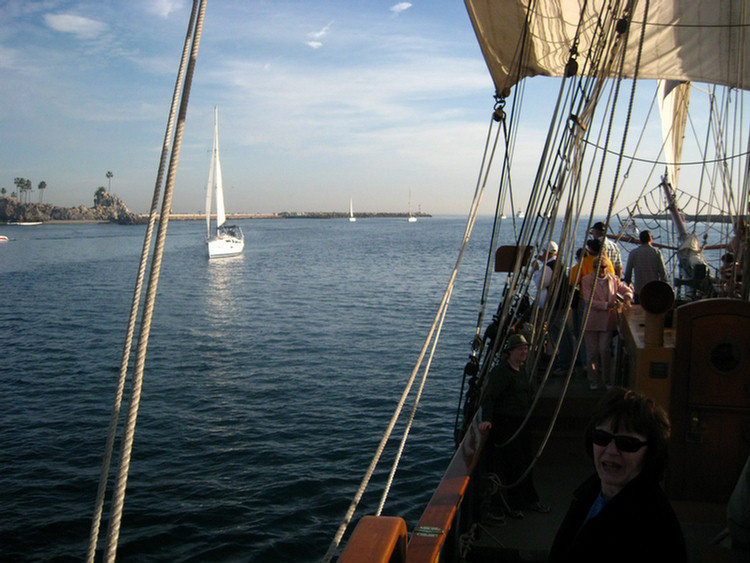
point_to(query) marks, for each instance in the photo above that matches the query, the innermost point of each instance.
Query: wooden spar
(636, 240)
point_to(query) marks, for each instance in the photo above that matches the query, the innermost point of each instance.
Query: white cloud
(77, 25)
(315, 36)
(320, 34)
(400, 7)
(163, 7)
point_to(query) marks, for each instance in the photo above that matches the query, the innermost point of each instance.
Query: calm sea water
(269, 381)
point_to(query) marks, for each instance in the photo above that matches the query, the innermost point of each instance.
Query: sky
(319, 101)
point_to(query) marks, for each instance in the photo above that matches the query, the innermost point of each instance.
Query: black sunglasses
(623, 443)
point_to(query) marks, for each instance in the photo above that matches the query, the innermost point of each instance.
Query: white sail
(221, 216)
(210, 189)
(691, 40)
(226, 240)
(674, 98)
(352, 218)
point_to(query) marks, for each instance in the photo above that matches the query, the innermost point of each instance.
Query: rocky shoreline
(107, 208)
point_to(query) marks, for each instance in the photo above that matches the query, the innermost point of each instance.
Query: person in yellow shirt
(587, 262)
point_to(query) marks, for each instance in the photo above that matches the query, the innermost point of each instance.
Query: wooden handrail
(429, 536)
(376, 539)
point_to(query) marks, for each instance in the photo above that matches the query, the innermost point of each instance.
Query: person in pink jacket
(602, 321)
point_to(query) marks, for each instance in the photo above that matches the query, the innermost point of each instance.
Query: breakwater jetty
(294, 215)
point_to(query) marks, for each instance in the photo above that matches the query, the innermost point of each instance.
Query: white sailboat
(222, 240)
(412, 218)
(352, 218)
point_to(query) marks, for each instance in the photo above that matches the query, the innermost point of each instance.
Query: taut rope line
(137, 292)
(436, 325)
(192, 40)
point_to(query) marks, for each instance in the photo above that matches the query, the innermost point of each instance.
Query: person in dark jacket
(506, 400)
(621, 513)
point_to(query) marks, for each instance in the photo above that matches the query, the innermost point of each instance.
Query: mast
(220, 212)
(674, 98)
(210, 182)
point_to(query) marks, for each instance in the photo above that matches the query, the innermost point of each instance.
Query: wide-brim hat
(515, 341)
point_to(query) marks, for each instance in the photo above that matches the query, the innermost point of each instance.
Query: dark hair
(594, 245)
(629, 411)
(645, 236)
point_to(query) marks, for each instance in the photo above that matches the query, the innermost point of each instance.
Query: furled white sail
(693, 40)
(674, 99)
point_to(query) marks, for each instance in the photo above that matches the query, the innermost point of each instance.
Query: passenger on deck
(544, 267)
(729, 277)
(621, 514)
(646, 262)
(505, 402)
(586, 266)
(607, 290)
(544, 270)
(611, 251)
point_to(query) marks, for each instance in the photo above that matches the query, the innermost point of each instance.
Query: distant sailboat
(412, 218)
(352, 218)
(224, 240)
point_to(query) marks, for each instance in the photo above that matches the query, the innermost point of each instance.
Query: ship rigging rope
(546, 313)
(189, 56)
(430, 343)
(485, 167)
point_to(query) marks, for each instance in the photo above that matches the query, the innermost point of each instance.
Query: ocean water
(269, 381)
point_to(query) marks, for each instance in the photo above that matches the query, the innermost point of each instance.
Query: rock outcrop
(107, 208)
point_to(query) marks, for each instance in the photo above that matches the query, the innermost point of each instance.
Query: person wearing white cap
(544, 266)
(542, 277)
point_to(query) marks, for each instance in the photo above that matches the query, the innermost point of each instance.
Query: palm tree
(24, 186)
(109, 180)
(41, 187)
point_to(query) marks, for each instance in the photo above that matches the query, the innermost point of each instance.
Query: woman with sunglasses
(621, 513)
(600, 327)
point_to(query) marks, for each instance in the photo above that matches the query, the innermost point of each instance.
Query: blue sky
(319, 101)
